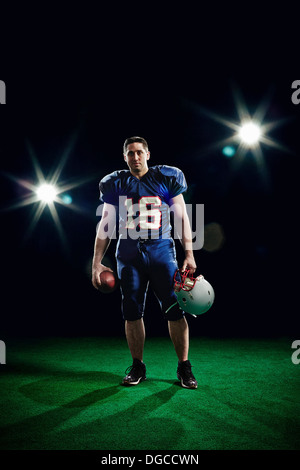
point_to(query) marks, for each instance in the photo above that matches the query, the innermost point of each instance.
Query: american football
(109, 282)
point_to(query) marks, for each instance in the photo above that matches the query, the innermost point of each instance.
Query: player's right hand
(96, 271)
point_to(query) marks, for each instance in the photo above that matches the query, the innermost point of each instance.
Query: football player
(141, 198)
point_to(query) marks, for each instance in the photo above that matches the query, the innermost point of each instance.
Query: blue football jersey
(143, 204)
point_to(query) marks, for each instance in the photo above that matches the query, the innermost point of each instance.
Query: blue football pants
(141, 263)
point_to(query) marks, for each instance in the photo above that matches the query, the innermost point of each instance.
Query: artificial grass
(65, 394)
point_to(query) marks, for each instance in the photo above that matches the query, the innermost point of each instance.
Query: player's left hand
(189, 263)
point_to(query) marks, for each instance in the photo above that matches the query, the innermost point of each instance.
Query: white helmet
(194, 295)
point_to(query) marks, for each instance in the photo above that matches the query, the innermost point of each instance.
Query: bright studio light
(46, 193)
(250, 133)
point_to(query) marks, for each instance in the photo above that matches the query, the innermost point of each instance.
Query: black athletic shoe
(185, 375)
(135, 373)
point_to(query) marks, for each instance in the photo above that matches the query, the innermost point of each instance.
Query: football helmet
(194, 295)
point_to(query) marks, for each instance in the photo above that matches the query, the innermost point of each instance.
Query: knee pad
(174, 312)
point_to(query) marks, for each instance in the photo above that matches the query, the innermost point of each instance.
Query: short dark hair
(136, 138)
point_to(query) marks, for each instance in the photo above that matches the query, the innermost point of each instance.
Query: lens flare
(46, 192)
(250, 133)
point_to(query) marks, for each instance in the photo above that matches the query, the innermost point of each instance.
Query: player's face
(136, 158)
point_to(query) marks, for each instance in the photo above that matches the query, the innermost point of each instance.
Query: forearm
(184, 232)
(105, 232)
(187, 244)
(100, 248)
(186, 235)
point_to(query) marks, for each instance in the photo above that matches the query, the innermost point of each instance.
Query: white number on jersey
(149, 218)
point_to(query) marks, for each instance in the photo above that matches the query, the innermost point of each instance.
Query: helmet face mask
(194, 295)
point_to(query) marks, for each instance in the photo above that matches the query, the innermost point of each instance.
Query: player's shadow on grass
(78, 417)
(146, 423)
(84, 387)
(57, 392)
(87, 388)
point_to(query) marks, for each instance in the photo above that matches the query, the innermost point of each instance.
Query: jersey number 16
(149, 214)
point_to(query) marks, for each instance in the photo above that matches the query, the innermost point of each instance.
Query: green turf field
(65, 393)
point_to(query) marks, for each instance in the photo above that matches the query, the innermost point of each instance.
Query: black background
(94, 77)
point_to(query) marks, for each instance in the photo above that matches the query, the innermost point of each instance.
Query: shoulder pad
(108, 187)
(169, 170)
(111, 177)
(174, 179)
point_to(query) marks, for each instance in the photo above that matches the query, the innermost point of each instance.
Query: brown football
(109, 282)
